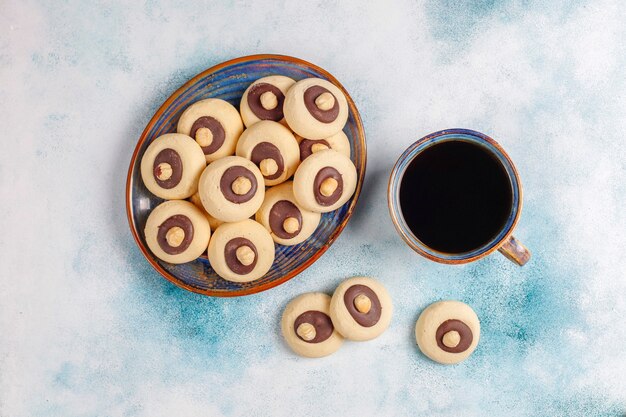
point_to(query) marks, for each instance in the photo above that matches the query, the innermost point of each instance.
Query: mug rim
(393, 193)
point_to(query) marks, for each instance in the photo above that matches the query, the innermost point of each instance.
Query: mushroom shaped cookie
(315, 108)
(177, 231)
(241, 251)
(287, 222)
(324, 181)
(213, 222)
(447, 331)
(361, 308)
(171, 166)
(273, 148)
(264, 98)
(215, 124)
(231, 189)
(338, 142)
(307, 327)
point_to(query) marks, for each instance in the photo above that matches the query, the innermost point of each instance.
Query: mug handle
(515, 251)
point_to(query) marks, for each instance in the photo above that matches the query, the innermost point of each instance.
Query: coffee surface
(455, 196)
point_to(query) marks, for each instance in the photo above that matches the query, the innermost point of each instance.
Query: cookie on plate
(177, 232)
(214, 124)
(324, 181)
(213, 222)
(315, 108)
(241, 251)
(447, 331)
(361, 308)
(287, 222)
(307, 327)
(171, 166)
(264, 99)
(231, 189)
(273, 148)
(338, 142)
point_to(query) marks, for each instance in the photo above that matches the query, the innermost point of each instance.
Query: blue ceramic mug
(503, 240)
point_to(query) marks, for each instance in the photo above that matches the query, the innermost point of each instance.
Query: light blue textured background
(87, 328)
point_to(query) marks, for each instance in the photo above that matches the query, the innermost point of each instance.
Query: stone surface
(88, 328)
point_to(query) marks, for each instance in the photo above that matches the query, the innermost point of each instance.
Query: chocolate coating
(307, 144)
(324, 116)
(265, 150)
(171, 157)
(454, 325)
(370, 318)
(230, 255)
(177, 220)
(216, 129)
(322, 323)
(229, 176)
(281, 211)
(324, 173)
(254, 102)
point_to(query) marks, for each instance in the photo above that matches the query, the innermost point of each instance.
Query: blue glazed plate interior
(229, 83)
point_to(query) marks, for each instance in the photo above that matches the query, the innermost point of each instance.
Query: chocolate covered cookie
(264, 99)
(231, 189)
(447, 331)
(241, 251)
(287, 221)
(315, 108)
(324, 181)
(214, 124)
(307, 327)
(171, 166)
(273, 148)
(361, 308)
(177, 231)
(338, 142)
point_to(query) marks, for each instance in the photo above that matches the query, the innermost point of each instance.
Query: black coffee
(455, 196)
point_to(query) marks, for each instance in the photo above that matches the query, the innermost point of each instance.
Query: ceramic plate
(228, 81)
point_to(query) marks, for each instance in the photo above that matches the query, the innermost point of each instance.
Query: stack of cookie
(315, 324)
(283, 161)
